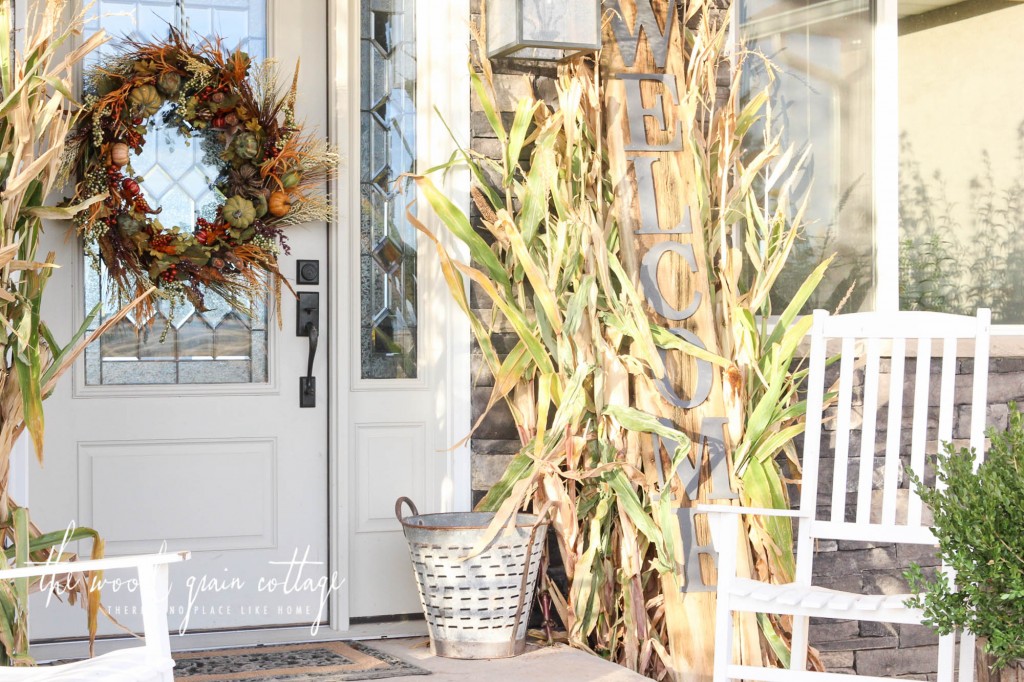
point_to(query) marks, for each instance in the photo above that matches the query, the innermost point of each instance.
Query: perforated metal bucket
(476, 607)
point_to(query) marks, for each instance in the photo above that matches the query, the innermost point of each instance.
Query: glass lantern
(543, 29)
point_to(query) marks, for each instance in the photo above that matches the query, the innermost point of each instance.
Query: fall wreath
(270, 172)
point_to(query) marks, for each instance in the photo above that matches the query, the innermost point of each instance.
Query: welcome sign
(644, 66)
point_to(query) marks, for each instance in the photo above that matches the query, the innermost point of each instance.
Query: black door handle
(307, 384)
(314, 338)
(308, 320)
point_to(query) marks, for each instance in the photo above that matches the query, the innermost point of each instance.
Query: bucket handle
(398, 509)
(521, 605)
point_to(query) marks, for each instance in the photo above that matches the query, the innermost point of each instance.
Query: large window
(961, 122)
(933, 88)
(821, 102)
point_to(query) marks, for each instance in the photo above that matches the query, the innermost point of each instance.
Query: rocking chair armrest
(724, 533)
(110, 563)
(749, 511)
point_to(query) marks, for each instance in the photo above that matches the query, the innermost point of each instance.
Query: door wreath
(271, 173)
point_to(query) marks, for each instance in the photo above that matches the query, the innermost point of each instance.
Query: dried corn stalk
(580, 381)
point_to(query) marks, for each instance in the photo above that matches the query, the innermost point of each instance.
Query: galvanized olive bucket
(475, 607)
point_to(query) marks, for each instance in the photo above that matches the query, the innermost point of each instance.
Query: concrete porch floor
(558, 664)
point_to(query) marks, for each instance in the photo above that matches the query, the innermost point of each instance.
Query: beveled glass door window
(387, 244)
(185, 346)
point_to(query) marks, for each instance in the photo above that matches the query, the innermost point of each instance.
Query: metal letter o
(649, 279)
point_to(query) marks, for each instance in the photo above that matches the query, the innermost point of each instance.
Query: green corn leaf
(457, 222)
(28, 366)
(525, 110)
(544, 296)
(798, 301)
(521, 466)
(772, 444)
(663, 338)
(57, 351)
(629, 501)
(535, 200)
(778, 645)
(53, 539)
(6, 66)
(457, 288)
(514, 316)
(750, 113)
(643, 422)
(763, 487)
(474, 167)
(573, 399)
(489, 109)
(21, 553)
(8, 619)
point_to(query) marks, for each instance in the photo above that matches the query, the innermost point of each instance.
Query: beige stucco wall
(961, 92)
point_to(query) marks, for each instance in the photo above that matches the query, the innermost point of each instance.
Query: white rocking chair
(879, 333)
(151, 662)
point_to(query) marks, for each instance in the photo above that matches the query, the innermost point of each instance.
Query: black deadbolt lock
(307, 272)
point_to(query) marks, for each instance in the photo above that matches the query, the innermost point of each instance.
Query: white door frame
(448, 92)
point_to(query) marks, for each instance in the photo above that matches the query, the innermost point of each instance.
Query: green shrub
(979, 522)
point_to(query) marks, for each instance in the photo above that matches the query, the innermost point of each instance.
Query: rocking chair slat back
(842, 449)
(917, 418)
(893, 429)
(889, 377)
(867, 432)
(920, 424)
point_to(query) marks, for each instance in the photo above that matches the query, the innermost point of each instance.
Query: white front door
(153, 443)
(198, 441)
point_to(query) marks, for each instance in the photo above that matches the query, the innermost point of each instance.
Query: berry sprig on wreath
(271, 173)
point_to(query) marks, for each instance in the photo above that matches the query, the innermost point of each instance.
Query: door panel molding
(106, 501)
(380, 475)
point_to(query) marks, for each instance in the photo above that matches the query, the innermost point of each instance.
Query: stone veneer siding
(845, 646)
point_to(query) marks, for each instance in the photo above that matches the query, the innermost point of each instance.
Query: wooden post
(647, 117)
(983, 668)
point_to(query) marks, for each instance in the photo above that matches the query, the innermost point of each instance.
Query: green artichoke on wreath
(157, 268)
(145, 100)
(168, 83)
(245, 146)
(239, 212)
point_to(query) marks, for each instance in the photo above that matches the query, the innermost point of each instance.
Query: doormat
(313, 662)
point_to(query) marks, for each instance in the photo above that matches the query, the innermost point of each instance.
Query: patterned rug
(314, 662)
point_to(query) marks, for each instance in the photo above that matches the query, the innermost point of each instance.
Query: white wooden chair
(149, 663)
(876, 334)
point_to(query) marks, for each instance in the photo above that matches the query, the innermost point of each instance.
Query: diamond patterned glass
(387, 272)
(186, 346)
